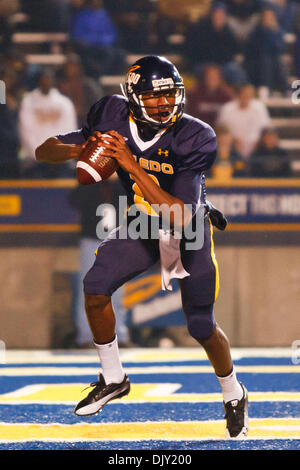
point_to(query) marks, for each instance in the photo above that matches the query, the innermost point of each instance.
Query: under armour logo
(163, 152)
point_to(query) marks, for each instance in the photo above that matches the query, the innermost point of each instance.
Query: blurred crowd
(233, 55)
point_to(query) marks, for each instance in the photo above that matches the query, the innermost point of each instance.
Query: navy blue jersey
(175, 157)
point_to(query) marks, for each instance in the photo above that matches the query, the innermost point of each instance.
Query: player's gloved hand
(217, 218)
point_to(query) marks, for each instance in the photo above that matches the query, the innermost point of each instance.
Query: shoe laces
(233, 412)
(93, 384)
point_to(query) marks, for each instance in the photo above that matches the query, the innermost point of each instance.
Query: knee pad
(200, 321)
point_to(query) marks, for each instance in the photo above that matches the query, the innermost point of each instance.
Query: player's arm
(171, 208)
(64, 147)
(55, 151)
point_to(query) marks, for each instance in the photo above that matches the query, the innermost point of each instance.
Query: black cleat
(100, 395)
(237, 417)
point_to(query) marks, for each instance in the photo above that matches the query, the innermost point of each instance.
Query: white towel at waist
(171, 265)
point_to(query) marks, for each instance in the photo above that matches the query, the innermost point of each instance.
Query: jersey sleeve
(74, 137)
(93, 117)
(186, 186)
(200, 150)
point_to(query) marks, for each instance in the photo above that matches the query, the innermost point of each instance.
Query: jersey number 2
(139, 200)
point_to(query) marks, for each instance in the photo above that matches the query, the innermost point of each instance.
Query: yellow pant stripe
(214, 260)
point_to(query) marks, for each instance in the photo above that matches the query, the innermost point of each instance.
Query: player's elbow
(39, 153)
(43, 151)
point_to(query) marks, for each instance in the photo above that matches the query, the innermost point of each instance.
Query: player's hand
(74, 151)
(77, 149)
(92, 138)
(118, 149)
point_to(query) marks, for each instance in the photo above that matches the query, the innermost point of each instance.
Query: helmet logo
(163, 82)
(134, 67)
(132, 78)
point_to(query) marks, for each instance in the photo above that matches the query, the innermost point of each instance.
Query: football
(92, 166)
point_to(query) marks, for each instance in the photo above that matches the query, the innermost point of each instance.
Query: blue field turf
(191, 383)
(272, 444)
(145, 412)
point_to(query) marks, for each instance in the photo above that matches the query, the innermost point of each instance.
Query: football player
(162, 154)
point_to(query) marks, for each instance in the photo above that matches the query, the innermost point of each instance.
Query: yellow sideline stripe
(59, 183)
(258, 227)
(191, 430)
(232, 183)
(253, 183)
(232, 227)
(70, 394)
(40, 227)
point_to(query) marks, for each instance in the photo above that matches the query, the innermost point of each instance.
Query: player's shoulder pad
(108, 108)
(193, 133)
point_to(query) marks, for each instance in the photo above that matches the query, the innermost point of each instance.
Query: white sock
(110, 361)
(231, 388)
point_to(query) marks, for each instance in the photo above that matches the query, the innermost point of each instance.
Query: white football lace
(97, 151)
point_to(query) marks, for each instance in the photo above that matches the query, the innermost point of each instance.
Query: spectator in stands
(47, 15)
(245, 118)
(159, 29)
(86, 199)
(82, 90)
(189, 10)
(296, 48)
(9, 139)
(95, 39)
(286, 13)
(138, 25)
(13, 71)
(205, 99)
(44, 112)
(243, 17)
(178, 17)
(263, 51)
(133, 29)
(229, 162)
(6, 27)
(269, 160)
(143, 33)
(211, 41)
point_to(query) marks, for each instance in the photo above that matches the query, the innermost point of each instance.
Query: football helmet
(154, 76)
